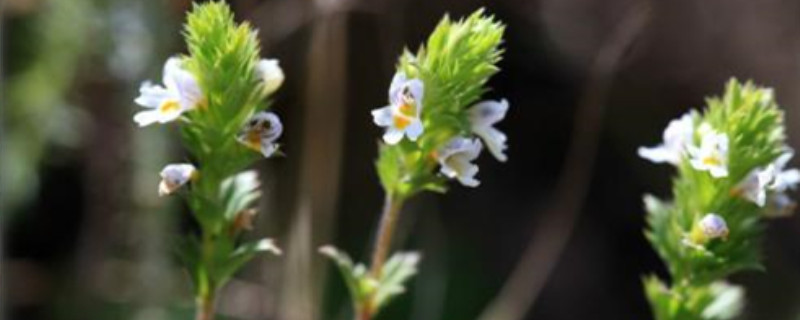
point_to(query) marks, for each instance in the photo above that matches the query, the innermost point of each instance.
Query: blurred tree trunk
(321, 155)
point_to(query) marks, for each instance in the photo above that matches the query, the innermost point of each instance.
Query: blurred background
(554, 233)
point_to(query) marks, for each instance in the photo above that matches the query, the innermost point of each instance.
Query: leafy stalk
(220, 91)
(431, 137)
(713, 227)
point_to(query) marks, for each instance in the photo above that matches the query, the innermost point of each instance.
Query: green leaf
(364, 289)
(717, 301)
(397, 270)
(355, 276)
(239, 192)
(727, 303)
(236, 259)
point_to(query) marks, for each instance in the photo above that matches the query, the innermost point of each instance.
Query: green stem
(206, 296)
(205, 306)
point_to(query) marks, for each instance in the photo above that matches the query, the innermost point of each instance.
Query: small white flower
(179, 94)
(784, 179)
(677, 137)
(174, 176)
(713, 226)
(260, 133)
(482, 117)
(402, 115)
(271, 73)
(712, 156)
(754, 186)
(456, 159)
(772, 178)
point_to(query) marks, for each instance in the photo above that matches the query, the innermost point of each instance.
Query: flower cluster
(763, 186)
(219, 94)
(731, 160)
(403, 118)
(435, 128)
(435, 123)
(181, 93)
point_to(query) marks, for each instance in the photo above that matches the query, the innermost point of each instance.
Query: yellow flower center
(401, 121)
(169, 106)
(253, 140)
(712, 161)
(408, 108)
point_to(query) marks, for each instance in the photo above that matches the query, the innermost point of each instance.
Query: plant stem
(208, 288)
(205, 306)
(383, 242)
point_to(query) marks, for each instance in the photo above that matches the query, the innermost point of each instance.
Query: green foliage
(752, 121)
(366, 291)
(454, 65)
(717, 301)
(223, 58)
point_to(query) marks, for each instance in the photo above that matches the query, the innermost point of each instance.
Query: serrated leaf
(727, 303)
(237, 258)
(397, 270)
(239, 192)
(355, 276)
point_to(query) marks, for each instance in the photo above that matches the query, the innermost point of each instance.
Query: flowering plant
(731, 162)
(219, 96)
(435, 128)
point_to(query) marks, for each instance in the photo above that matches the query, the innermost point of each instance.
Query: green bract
(454, 66)
(219, 93)
(753, 124)
(432, 122)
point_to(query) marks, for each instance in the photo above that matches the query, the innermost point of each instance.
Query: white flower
(179, 94)
(456, 159)
(772, 178)
(677, 137)
(260, 133)
(482, 117)
(271, 73)
(402, 115)
(713, 226)
(754, 186)
(174, 176)
(712, 156)
(783, 179)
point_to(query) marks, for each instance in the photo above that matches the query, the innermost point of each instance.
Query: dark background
(86, 237)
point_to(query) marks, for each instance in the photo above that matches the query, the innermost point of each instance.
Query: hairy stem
(383, 242)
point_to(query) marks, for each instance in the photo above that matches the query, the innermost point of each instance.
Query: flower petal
(148, 117)
(396, 88)
(392, 136)
(487, 113)
(416, 88)
(151, 96)
(268, 148)
(382, 117)
(414, 130)
(495, 141)
(173, 176)
(456, 157)
(658, 154)
(270, 72)
(171, 68)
